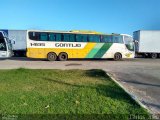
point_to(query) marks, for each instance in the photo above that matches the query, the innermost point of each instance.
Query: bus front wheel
(117, 56)
(52, 56)
(63, 56)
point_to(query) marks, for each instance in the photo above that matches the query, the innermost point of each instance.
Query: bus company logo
(37, 44)
(128, 55)
(67, 45)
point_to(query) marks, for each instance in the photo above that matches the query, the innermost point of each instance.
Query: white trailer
(18, 40)
(147, 43)
(5, 46)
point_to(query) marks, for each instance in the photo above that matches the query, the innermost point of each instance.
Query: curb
(131, 95)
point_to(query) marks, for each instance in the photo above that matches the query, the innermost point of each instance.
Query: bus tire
(117, 56)
(52, 56)
(63, 56)
(154, 55)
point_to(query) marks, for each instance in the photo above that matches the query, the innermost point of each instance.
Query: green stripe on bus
(103, 50)
(94, 50)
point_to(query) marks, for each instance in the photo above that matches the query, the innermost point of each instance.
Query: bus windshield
(2, 43)
(5, 42)
(129, 43)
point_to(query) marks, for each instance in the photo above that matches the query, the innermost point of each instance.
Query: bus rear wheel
(63, 56)
(117, 56)
(52, 56)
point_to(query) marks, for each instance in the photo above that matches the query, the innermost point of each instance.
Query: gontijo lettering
(67, 45)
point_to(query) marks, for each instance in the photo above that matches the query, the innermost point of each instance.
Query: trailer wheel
(117, 56)
(63, 56)
(154, 55)
(52, 56)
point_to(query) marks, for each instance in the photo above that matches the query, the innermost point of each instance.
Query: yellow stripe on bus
(72, 52)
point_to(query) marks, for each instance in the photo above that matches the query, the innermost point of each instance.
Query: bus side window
(78, 38)
(72, 37)
(117, 39)
(94, 38)
(120, 39)
(58, 37)
(66, 37)
(43, 37)
(34, 35)
(85, 38)
(107, 39)
(81, 38)
(52, 37)
(30, 34)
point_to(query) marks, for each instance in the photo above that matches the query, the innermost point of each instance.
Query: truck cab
(5, 46)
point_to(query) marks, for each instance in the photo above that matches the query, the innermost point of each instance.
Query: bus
(64, 45)
(5, 46)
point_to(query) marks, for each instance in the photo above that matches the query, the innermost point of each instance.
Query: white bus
(5, 46)
(57, 45)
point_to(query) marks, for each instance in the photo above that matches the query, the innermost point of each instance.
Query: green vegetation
(64, 93)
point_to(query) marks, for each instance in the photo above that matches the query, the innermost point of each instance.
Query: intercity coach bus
(59, 45)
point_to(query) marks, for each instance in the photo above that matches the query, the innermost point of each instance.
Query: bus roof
(126, 35)
(75, 32)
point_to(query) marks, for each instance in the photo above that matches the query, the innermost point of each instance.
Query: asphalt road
(141, 77)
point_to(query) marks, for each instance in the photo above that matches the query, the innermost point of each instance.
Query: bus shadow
(25, 59)
(101, 59)
(89, 59)
(75, 59)
(107, 89)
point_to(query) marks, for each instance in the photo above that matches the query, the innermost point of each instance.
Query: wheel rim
(63, 57)
(51, 56)
(117, 57)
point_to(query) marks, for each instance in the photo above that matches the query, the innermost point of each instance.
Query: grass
(63, 93)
